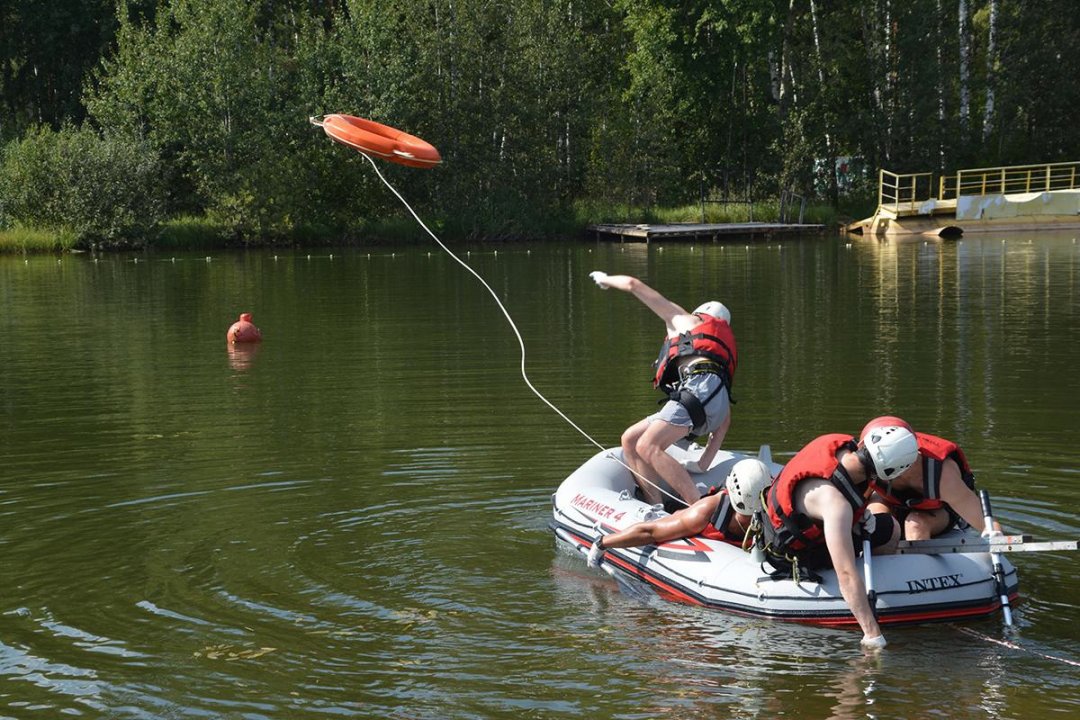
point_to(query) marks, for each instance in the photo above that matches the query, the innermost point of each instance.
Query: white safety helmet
(892, 450)
(884, 421)
(744, 485)
(715, 308)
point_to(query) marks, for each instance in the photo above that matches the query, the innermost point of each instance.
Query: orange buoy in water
(380, 140)
(243, 331)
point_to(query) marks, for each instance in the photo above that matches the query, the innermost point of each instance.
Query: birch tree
(991, 71)
(965, 56)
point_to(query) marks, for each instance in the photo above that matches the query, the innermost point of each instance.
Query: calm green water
(352, 520)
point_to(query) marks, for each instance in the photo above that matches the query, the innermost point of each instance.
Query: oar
(868, 575)
(999, 571)
(1003, 544)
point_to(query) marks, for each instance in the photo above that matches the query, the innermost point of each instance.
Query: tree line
(116, 115)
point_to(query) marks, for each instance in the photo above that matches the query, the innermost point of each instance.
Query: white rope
(1014, 646)
(517, 334)
(513, 325)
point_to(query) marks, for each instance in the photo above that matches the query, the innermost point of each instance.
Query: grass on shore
(201, 233)
(761, 211)
(20, 240)
(188, 232)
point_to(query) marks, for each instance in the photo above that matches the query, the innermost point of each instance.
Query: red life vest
(789, 531)
(934, 451)
(718, 523)
(711, 338)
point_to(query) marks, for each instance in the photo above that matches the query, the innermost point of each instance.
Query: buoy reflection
(242, 356)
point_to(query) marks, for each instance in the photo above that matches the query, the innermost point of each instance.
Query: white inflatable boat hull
(709, 573)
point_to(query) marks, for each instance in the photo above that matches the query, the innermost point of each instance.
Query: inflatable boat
(599, 497)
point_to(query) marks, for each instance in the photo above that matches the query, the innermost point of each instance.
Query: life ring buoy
(379, 140)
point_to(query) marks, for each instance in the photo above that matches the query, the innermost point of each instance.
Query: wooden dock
(700, 231)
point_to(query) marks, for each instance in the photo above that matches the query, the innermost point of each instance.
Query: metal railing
(747, 201)
(906, 192)
(901, 192)
(1012, 180)
(788, 200)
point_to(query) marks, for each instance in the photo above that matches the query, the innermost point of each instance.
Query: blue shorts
(700, 386)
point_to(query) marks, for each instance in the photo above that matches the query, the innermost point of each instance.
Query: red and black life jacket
(718, 523)
(934, 451)
(711, 338)
(786, 531)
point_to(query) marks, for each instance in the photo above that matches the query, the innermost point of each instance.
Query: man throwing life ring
(695, 368)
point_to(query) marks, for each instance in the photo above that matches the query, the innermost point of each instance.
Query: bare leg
(641, 470)
(923, 525)
(652, 446)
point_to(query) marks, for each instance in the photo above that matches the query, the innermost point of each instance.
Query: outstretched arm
(666, 309)
(684, 523)
(837, 518)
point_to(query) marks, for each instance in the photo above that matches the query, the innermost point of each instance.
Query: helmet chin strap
(868, 467)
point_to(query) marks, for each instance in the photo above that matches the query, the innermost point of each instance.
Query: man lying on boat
(817, 505)
(933, 495)
(695, 368)
(723, 514)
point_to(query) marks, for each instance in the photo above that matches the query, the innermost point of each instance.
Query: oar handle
(988, 514)
(999, 570)
(868, 576)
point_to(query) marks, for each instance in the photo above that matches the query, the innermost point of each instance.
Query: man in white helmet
(935, 494)
(723, 514)
(814, 510)
(695, 368)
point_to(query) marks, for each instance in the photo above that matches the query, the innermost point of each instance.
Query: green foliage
(47, 49)
(190, 233)
(25, 240)
(219, 93)
(101, 189)
(538, 107)
(592, 212)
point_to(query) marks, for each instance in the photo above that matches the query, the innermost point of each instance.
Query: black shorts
(955, 520)
(883, 527)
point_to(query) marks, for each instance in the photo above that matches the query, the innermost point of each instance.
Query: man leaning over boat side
(935, 494)
(695, 367)
(818, 505)
(724, 514)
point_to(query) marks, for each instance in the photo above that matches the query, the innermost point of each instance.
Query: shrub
(101, 189)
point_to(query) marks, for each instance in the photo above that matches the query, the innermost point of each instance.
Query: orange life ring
(380, 140)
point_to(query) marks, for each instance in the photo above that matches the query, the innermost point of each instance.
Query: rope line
(517, 333)
(1014, 646)
(560, 413)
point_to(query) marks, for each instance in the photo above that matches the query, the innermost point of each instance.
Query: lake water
(351, 519)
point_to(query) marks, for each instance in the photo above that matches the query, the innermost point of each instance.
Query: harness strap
(722, 516)
(842, 481)
(786, 565)
(702, 367)
(932, 478)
